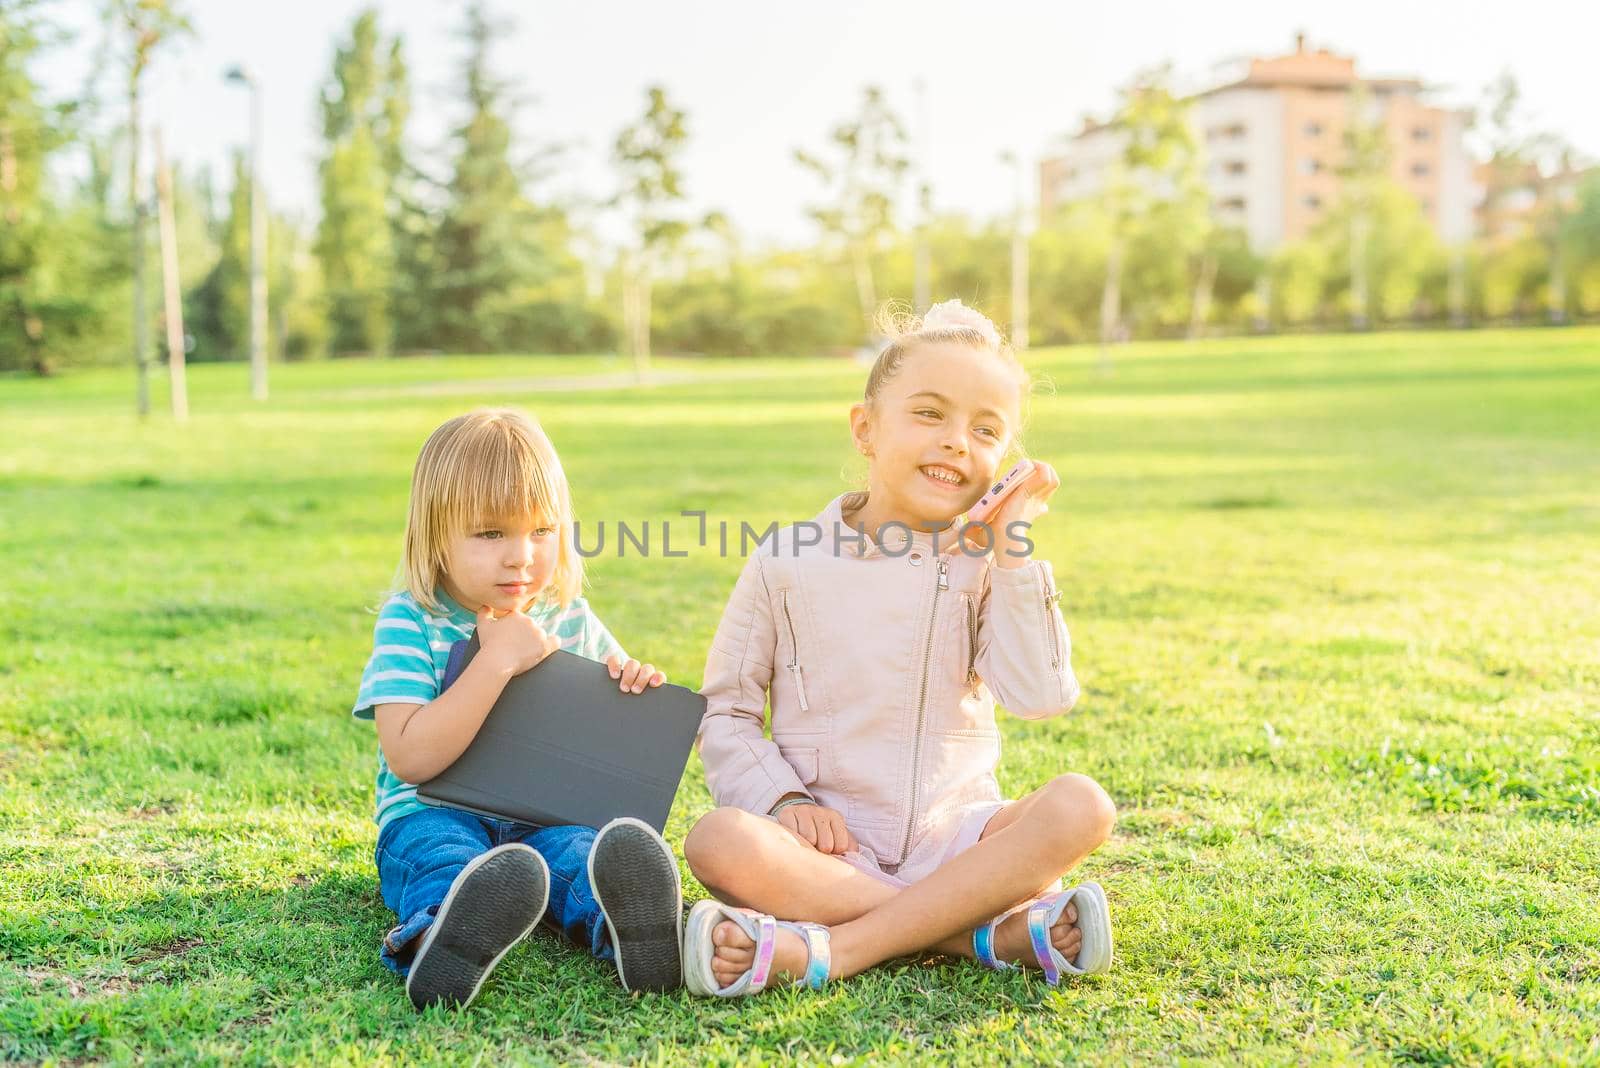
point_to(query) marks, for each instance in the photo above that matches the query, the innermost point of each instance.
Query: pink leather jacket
(883, 664)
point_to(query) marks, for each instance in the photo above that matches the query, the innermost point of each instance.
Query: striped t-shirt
(410, 647)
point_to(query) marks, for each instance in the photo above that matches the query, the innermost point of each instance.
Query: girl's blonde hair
(490, 464)
(950, 322)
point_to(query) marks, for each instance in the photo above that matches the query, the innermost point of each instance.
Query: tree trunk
(642, 345)
(1200, 306)
(1019, 287)
(630, 335)
(1458, 286)
(921, 289)
(1111, 303)
(1359, 317)
(1558, 284)
(866, 292)
(1263, 321)
(170, 287)
(141, 349)
(636, 313)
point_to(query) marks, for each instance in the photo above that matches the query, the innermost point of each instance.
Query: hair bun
(954, 315)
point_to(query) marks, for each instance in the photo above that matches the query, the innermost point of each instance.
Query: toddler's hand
(820, 827)
(634, 675)
(513, 641)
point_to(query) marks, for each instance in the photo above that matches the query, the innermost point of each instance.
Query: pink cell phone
(999, 491)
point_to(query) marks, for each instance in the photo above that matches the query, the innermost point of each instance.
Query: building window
(1235, 167)
(1231, 132)
(1421, 133)
(1312, 202)
(1419, 169)
(1313, 129)
(1310, 165)
(1231, 204)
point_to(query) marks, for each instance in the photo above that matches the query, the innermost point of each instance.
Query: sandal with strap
(1094, 922)
(698, 950)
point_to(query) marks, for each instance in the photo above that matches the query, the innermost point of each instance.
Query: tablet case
(564, 745)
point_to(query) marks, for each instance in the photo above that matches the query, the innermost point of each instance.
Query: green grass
(1335, 603)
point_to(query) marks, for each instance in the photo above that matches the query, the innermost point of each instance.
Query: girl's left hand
(634, 675)
(1026, 504)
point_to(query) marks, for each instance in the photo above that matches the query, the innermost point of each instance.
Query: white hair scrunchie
(954, 315)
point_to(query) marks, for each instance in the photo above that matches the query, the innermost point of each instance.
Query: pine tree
(493, 246)
(362, 125)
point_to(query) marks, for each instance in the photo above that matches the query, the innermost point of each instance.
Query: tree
(1583, 231)
(148, 24)
(1068, 264)
(29, 131)
(354, 243)
(862, 187)
(1510, 163)
(222, 299)
(1362, 172)
(494, 248)
(651, 192)
(1155, 191)
(1556, 205)
(225, 320)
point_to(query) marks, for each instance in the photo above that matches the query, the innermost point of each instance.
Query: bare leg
(749, 861)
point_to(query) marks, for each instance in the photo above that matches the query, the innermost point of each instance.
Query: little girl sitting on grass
(871, 815)
(489, 548)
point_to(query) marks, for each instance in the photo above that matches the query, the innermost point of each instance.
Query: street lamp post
(239, 75)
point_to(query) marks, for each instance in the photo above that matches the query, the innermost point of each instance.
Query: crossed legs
(752, 862)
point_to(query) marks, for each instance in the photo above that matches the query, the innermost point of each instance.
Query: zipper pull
(944, 573)
(799, 686)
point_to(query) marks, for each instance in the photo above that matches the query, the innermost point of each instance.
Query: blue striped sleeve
(402, 667)
(594, 640)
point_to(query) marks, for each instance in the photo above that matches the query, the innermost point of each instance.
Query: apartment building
(1273, 141)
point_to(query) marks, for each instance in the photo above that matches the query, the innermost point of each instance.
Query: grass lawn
(1335, 603)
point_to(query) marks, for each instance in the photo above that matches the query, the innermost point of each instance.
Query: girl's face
(502, 563)
(937, 432)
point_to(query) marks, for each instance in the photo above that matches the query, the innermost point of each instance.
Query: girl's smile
(944, 475)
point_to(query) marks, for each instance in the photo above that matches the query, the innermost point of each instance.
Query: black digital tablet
(564, 745)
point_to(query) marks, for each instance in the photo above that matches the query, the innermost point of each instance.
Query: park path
(562, 383)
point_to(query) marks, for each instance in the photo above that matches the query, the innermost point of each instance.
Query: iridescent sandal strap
(983, 947)
(766, 945)
(819, 955)
(1039, 936)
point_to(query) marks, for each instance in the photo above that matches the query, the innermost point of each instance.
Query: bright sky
(759, 79)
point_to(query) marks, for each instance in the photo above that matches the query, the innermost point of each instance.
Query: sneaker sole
(635, 880)
(492, 905)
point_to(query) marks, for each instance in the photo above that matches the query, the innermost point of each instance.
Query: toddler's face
(502, 563)
(938, 431)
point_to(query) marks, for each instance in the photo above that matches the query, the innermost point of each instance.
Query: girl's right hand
(822, 828)
(514, 642)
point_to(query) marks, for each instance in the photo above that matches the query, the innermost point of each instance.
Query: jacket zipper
(794, 662)
(972, 643)
(922, 708)
(1052, 639)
